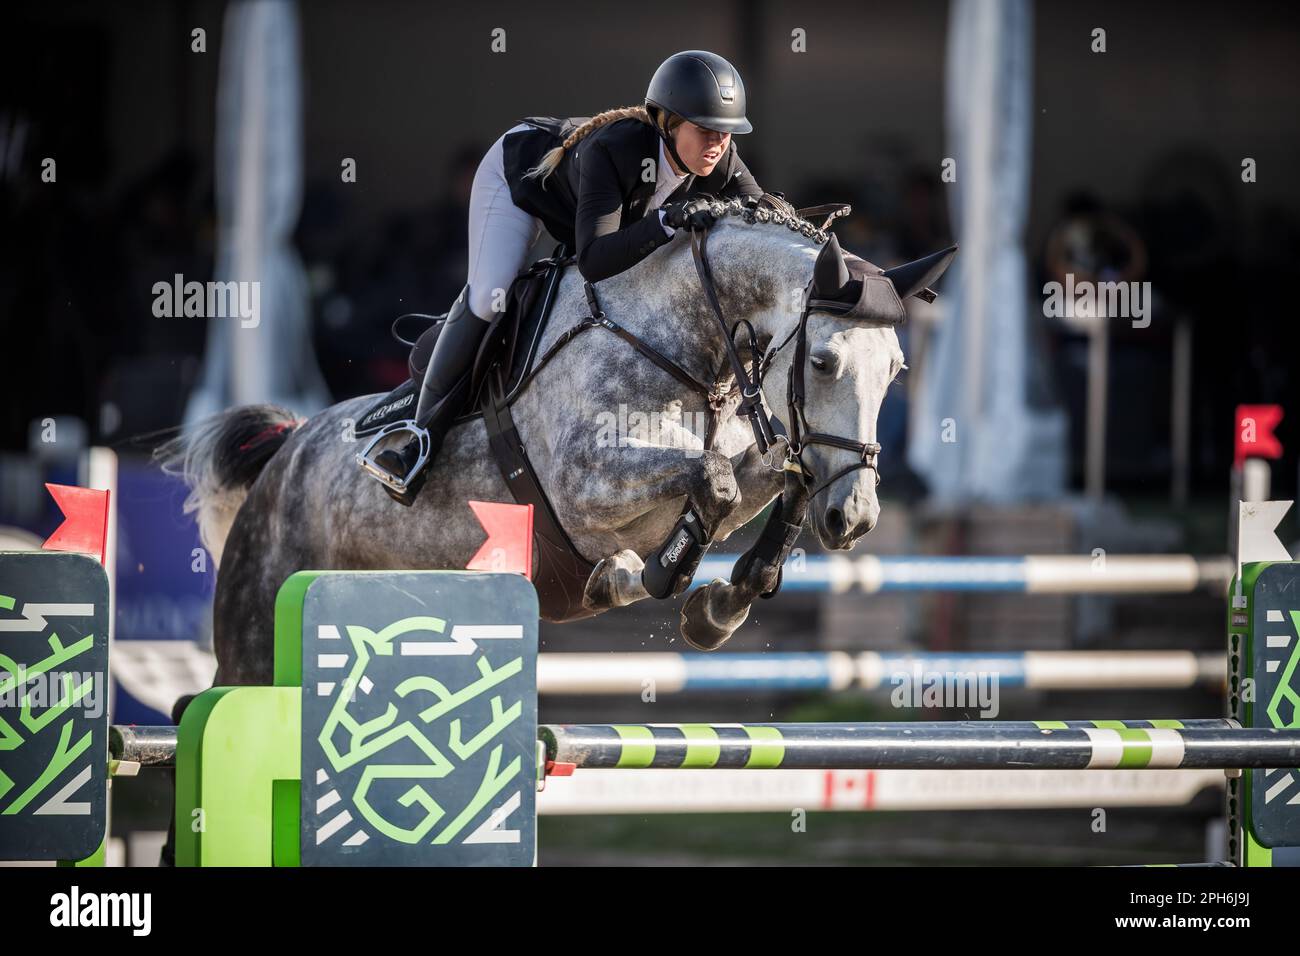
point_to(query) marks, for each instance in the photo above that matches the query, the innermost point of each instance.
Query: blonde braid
(553, 157)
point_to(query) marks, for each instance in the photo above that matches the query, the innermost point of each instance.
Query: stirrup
(400, 484)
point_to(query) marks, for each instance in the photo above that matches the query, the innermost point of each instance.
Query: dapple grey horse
(274, 496)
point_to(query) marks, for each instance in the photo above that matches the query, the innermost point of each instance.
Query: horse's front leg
(712, 614)
(617, 490)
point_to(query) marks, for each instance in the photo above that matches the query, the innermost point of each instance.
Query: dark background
(1155, 130)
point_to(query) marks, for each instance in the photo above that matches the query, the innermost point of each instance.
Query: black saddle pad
(511, 344)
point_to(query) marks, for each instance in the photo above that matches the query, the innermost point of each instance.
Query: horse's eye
(818, 363)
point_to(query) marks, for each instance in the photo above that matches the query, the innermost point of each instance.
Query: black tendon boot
(445, 379)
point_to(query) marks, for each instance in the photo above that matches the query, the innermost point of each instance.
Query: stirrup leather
(400, 484)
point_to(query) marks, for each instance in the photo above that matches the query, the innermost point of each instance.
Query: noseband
(768, 430)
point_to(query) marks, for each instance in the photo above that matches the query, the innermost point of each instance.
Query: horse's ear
(914, 278)
(831, 273)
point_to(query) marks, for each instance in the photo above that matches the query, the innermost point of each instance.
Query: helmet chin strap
(672, 151)
(660, 128)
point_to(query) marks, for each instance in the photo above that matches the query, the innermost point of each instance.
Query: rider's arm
(606, 246)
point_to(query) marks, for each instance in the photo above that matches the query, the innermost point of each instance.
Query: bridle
(768, 429)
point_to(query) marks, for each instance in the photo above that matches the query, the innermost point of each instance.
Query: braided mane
(770, 208)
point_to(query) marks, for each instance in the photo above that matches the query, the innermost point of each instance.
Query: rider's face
(700, 148)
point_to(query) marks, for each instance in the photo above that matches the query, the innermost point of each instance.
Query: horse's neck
(647, 303)
(643, 301)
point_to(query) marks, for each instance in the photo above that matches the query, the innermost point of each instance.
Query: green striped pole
(956, 745)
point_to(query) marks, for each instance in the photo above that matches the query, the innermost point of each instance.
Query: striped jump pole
(632, 673)
(1219, 744)
(619, 672)
(138, 746)
(1027, 574)
(668, 791)
(948, 745)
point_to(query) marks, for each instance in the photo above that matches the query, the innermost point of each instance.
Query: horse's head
(836, 362)
(841, 366)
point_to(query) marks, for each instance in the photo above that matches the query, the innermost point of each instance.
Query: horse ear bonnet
(855, 289)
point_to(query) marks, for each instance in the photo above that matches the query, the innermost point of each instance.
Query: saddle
(506, 362)
(508, 350)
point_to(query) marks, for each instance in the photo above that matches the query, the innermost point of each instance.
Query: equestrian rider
(587, 182)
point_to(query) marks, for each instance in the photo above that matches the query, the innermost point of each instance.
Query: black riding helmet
(701, 87)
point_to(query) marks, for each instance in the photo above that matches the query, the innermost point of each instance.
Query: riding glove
(694, 213)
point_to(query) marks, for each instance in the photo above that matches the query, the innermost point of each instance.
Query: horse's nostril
(835, 522)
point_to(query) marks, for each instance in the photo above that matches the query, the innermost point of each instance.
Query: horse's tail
(219, 458)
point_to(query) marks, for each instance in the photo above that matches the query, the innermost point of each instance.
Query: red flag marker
(85, 525)
(1255, 438)
(509, 544)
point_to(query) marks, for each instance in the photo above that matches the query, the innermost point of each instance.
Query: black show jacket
(595, 200)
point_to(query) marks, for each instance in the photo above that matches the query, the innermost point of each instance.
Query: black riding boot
(445, 379)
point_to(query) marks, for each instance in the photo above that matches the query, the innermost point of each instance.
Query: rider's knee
(487, 299)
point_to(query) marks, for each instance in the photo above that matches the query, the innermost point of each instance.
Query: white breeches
(500, 235)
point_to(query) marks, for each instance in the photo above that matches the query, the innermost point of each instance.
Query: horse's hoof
(697, 629)
(597, 595)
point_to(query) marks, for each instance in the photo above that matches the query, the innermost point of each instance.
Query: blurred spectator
(417, 263)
